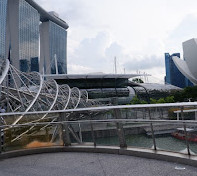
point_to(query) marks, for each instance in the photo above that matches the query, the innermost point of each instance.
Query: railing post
(65, 134)
(153, 136)
(93, 134)
(152, 131)
(182, 116)
(2, 135)
(120, 130)
(65, 131)
(177, 116)
(80, 133)
(1, 140)
(186, 139)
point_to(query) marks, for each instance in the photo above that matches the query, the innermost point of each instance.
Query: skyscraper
(3, 19)
(29, 20)
(173, 75)
(53, 40)
(20, 36)
(23, 33)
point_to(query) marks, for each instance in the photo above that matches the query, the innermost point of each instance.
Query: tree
(169, 99)
(153, 101)
(161, 100)
(138, 80)
(136, 100)
(186, 94)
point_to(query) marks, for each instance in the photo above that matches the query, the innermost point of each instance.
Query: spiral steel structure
(32, 92)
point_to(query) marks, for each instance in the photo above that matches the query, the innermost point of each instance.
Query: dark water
(166, 142)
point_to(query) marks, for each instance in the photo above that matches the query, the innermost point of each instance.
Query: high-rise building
(173, 75)
(3, 19)
(20, 36)
(23, 35)
(53, 41)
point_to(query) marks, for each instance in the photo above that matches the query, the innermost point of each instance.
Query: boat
(180, 134)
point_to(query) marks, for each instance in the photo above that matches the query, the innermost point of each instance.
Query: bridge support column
(65, 130)
(120, 130)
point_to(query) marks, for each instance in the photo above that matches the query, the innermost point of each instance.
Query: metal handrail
(102, 108)
(118, 121)
(101, 121)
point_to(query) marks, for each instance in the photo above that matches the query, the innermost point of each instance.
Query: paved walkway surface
(90, 164)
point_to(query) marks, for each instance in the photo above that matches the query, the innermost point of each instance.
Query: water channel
(165, 142)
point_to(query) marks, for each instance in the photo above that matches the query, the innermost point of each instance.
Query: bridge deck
(86, 164)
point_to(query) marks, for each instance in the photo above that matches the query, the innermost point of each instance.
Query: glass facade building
(3, 19)
(24, 65)
(34, 64)
(57, 48)
(29, 20)
(20, 37)
(173, 75)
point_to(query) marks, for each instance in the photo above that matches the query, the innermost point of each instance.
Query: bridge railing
(123, 133)
(140, 126)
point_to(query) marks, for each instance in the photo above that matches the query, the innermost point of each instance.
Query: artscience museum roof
(188, 66)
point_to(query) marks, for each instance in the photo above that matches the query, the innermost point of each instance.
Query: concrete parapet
(138, 152)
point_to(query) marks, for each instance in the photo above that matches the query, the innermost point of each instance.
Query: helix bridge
(22, 93)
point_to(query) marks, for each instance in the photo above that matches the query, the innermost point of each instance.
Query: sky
(136, 32)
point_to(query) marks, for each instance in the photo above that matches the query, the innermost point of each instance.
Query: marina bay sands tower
(32, 39)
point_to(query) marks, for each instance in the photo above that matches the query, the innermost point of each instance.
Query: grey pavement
(90, 164)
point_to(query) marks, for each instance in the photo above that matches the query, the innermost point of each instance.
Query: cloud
(97, 54)
(74, 69)
(91, 51)
(185, 30)
(114, 50)
(74, 12)
(127, 32)
(147, 62)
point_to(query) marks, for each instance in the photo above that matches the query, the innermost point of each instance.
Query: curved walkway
(90, 164)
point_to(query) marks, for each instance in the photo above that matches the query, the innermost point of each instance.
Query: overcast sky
(137, 32)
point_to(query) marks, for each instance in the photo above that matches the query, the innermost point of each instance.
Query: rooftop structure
(160, 87)
(108, 87)
(47, 16)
